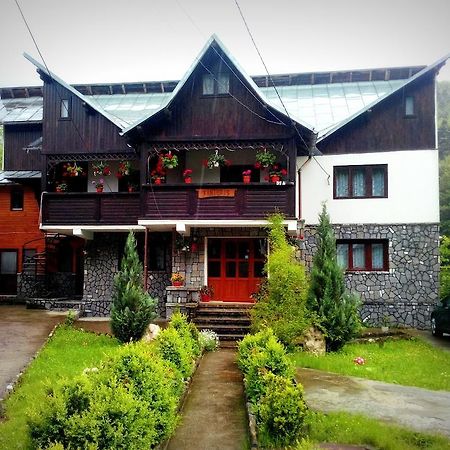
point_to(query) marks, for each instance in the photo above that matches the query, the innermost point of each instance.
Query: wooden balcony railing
(169, 202)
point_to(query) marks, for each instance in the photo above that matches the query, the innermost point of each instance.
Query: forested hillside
(443, 101)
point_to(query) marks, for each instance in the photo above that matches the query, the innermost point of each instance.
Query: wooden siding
(90, 208)
(193, 116)
(86, 131)
(16, 138)
(386, 128)
(253, 201)
(20, 227)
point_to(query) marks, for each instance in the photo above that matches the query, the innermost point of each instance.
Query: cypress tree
(336, 309)
(132, 307)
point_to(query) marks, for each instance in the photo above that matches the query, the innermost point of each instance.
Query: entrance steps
(231, 321)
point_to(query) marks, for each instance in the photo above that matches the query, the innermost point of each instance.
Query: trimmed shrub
(250, 344)
(188, 332)
(281, 299)
(281, 411)
(132, 308)
(171, 347)
(336, 309)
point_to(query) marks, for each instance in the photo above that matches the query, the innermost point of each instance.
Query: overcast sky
(95, 41)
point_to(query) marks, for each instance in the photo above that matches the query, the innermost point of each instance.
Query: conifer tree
(336, 309)
(132, 307)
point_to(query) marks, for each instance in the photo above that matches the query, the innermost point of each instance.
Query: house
(363, 141)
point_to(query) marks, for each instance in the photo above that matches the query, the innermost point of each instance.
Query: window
(360, 181)
(158, 251)
(28, 260)
(64, 112)
(8, 262)
(355, 255)
(216, 84)
(17, 199)
(409, 106)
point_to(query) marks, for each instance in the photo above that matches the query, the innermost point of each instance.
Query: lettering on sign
(207, 193)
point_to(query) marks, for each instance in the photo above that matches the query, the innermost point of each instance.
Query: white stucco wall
(413, 189)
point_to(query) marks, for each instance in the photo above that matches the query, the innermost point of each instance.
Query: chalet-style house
(194, 167)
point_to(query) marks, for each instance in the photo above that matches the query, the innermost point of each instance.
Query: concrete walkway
(22, 333)
(415, 408)
(214, 417)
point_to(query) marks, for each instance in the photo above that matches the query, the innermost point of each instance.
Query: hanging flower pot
(99, 189)
(274, 178)
(194, 247)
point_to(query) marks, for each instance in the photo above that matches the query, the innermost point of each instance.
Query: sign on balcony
(208, 193)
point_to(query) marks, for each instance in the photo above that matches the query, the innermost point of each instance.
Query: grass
(345, 428)
(411, 362)
(66, 354)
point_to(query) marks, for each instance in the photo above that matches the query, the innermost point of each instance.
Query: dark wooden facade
(17, 138)
(85, 131)
(386, 127)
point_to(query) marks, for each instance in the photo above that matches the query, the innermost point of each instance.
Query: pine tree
(336, 309)
(132, 307)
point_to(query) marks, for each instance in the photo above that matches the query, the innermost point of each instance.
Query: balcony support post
(146, 259)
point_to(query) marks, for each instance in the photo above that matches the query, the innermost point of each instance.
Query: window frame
(69, 108)
(14, 191)
(413, 105)
(367, 254)
(368, 170)
(216, 77)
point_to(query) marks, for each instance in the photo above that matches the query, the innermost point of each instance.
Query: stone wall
(101, 263)
(406, 293)
(53, 284)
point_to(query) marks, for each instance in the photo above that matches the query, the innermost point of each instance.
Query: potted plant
(61, 187)
(101, 168)
(276, 173)
(124, 169)
(246, 176)
(216, 160)
(131, 187)
(385, 324)
(187, 175)
(264, 159)
(73, 170)
(177, 279)
(206, 293)
(99, 184)
(169, 160)
(157, 177)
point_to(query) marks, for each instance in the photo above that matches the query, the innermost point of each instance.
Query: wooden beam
(146, 259)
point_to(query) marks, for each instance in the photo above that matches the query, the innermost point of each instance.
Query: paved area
(214, 416)
(415, 408)
(22, 333)
(439, 342)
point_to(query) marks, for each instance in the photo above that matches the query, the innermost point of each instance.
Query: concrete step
(222, 319)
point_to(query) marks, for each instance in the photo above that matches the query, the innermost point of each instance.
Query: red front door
(235, 267)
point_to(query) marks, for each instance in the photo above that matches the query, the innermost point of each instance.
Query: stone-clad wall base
(409, 290)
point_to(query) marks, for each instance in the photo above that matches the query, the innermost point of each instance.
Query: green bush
(281, 411)
(171, 347)
(132, 308)
(188, 332)
(445, 266)
(336, 309)
(281, 300)
(250, 344)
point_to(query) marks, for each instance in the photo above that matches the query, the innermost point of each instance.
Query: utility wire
(274, 86)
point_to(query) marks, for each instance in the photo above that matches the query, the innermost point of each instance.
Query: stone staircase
(231, 321)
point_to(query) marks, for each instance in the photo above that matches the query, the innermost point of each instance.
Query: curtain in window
(342, 255)
(223, 83)
(378, 182)
(377, 256)
(208, 84)
(342, 183)
(359, 185)
(358, 256)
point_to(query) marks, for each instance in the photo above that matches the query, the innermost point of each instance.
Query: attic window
(409, 106)
(216, 84)
(64, 112)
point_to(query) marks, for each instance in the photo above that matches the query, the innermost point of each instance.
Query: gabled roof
(10, 176)
(327, 132)
(211, 41)
(115, 120)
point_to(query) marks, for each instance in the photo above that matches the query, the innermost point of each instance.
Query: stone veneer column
(101, 264)
(407, 292)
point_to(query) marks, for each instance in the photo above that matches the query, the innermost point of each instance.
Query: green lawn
(67, 353)
(407, 362)
(347, 428)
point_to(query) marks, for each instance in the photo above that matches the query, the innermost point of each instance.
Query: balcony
(89, 208)
(216, 201)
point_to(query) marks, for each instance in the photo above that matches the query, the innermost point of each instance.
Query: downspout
(312, 149)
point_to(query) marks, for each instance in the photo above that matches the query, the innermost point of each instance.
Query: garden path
(214, 416)
(22, 333)
(416, 408)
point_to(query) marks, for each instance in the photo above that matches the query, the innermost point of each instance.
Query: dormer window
(216, 84)
(64, 112)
